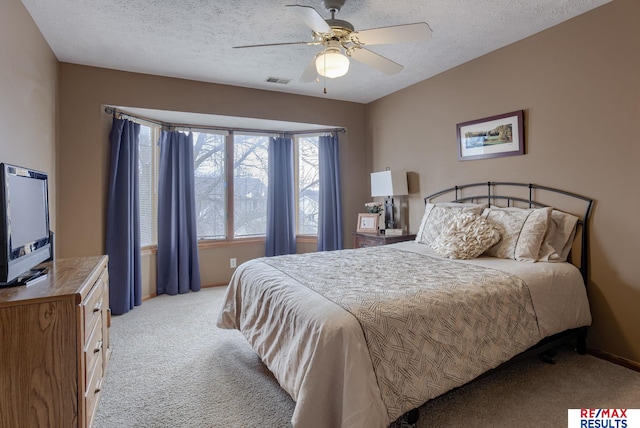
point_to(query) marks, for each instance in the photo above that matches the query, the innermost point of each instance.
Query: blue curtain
(281, 219)
(177, 262)
(123, 219)
(330, 220)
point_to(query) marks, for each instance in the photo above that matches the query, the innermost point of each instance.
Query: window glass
(210, 184)
(147, 189)
(308, 185)
(250, 181)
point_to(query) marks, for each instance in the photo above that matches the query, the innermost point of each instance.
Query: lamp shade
(389, 183)
(331, 62)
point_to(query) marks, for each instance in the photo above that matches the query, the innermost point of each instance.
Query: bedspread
(430, 324)
(357, 337)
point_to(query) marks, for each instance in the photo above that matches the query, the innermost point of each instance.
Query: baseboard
(221, 284)
(630, 364)
(149, 297)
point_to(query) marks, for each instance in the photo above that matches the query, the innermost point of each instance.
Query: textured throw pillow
(437, 216)
(522, 232)
(559, 237)
(465, 237)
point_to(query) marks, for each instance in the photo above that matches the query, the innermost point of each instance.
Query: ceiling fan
(341, 41)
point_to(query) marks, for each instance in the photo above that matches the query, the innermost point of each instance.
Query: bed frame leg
(409, 419)
(413, 416)
(549, 356)
(581, 345)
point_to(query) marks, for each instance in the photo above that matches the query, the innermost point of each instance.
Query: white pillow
(466, 237)
(559, 237)
(437, 216)
(522, 232)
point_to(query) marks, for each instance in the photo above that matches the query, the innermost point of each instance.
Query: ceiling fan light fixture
(332, 63)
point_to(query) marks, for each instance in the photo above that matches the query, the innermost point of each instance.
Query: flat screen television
(25, 238)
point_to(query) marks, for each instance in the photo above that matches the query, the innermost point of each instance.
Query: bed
(362, 337)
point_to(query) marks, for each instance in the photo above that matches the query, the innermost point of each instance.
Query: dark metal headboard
(496, 193)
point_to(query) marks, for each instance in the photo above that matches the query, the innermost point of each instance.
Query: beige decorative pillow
(437, 216)
(522, 232)
(559, 237)
(465, 237)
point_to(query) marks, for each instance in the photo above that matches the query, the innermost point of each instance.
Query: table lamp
(389, 184)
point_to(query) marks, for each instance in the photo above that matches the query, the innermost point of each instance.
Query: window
(231, 182)
(250, 181)
(210, 184)
(147, 182)
(308, 180)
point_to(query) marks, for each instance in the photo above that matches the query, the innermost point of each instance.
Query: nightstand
(361, 240)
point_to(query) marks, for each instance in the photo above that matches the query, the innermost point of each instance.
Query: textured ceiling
(192, 39)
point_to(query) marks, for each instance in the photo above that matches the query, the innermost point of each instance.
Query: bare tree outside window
(250, 181)
(211, 207)
(308, 185)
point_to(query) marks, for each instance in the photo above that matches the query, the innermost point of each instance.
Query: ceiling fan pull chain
(324, 77)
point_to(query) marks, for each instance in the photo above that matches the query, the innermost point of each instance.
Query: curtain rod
(114, 111)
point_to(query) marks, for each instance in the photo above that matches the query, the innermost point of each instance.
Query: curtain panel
(281, 218)
(177, 260)
(123, 219)
(330, 219)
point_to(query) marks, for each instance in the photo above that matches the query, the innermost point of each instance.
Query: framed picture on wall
(368, 223)
(495, 136)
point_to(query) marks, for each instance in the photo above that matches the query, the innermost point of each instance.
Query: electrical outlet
(232, 262)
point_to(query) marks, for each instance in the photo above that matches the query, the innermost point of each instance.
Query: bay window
(231, 182)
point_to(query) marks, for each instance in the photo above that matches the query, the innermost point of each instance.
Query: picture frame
(491, 137)
(368, 223)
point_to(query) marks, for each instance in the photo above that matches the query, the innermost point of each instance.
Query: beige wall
(83, 154)
(579, 84)
(28, 74)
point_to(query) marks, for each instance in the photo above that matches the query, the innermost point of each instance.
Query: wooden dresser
(361, 240)
(54, 345)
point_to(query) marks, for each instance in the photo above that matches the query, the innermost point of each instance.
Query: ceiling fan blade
(310, 73)
(417, 32)
(310, 17)
(277, 44)
(376, 61)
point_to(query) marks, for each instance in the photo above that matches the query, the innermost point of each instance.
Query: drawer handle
(97, 307)
(98, 348)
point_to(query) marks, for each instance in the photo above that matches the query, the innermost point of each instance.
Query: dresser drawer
(93, 351)
(92, 305)
(92, 394)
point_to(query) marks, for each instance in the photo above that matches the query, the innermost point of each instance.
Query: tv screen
(24, 225)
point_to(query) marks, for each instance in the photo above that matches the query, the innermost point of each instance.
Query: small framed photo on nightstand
(368, 223)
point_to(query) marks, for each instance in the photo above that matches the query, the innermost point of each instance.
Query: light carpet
(172, 367)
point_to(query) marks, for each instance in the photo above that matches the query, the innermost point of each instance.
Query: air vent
(280, 80)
